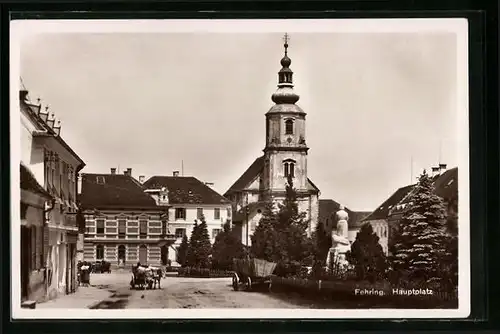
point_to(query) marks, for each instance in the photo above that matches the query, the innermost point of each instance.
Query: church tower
(285, 152)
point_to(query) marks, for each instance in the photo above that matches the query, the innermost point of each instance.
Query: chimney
(128, 172)
(142, 178)
(210, 184)
(176, 173)
(23, 95)
(442, 167)
(113, 171)
(435, 171)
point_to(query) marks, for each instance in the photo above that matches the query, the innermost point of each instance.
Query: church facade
(285, 154)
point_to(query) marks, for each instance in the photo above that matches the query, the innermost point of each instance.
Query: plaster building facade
(55, 166)
(129, 220)
(285, 153)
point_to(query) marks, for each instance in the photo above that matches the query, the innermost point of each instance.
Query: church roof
(251, 173)
(248, 176)
(185, 190)
(328, 207)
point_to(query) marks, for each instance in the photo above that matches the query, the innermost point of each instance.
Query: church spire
(285, 93)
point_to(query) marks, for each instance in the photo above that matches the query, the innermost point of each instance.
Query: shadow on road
(115, 301)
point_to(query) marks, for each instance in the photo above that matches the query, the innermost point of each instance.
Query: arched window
(99, 252)
(289, 127)
(289, 168)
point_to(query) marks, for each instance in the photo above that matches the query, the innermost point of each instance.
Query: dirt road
(183, 292)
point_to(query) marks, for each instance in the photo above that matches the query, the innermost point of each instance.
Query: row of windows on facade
(141, 228)
(180, 213)
(59, 175)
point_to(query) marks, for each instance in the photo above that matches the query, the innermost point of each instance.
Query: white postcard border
(23, 28)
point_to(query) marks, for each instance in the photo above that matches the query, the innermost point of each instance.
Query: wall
(277, 179)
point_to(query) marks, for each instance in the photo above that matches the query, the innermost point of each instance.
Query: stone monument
(340, 241)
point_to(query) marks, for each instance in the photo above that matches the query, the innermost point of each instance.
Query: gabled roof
(248, 176)
(185, 190)
(328, 207)
(383, 210)
(32, 111)
(252, 172)
(29, 182)
(117, 190)
(445, 186)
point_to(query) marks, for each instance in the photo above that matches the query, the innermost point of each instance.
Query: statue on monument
(340, 241)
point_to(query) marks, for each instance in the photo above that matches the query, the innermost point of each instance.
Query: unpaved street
(183, 292)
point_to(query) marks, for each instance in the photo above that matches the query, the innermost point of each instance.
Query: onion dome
(285, 93)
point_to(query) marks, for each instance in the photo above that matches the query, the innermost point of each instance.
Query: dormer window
(289, 168)
(289, 127)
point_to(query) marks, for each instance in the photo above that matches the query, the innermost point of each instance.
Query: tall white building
(55, 166)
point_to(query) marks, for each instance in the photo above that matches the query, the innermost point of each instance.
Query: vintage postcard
(240, 169)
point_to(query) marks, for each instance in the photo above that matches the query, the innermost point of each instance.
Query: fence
(203, 272)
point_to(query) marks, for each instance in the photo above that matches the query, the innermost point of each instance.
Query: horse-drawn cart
(249, 272)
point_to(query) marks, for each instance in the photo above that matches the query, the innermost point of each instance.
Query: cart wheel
(235, 282)
(249, 284)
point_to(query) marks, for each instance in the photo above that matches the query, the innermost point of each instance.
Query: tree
(182, 252)
(322, 242)
(191, 254)
(226, 247)
(204, 245)
(367, 255)
(292, 228)
(265, 238)
(421, 240)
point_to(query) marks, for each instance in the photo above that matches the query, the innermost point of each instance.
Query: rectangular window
(111, 230)
(154, 224)
(133, 230)
(180, 232)
(155, 230)
(216, 213)
(122, 228)
(100, 226)
(215, 231)
(228, 212)
(180, 213)
(133, 224)
(199, 213)
(143, 226)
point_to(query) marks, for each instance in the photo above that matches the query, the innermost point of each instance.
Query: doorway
(121, 255)
(143, 254)
(25, 260)
(164, 255)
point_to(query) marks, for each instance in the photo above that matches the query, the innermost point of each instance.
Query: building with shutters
(128, 221)
(54, 166)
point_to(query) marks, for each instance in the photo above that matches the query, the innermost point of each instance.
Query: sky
(380, 107)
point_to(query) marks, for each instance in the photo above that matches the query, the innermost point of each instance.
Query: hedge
(203, 272)
(364, 294)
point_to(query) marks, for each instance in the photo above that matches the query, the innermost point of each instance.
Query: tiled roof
(29, 182)
(383, 210)
(252, 172)
(117, 190)
(328, 207)
(445, 186)
(248, 176)
(185, 190)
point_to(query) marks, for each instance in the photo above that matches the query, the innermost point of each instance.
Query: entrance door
(25, 260)
(121, 255)
(143, 254)
(164, 255)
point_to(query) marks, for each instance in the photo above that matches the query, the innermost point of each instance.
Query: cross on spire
(286, 38)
